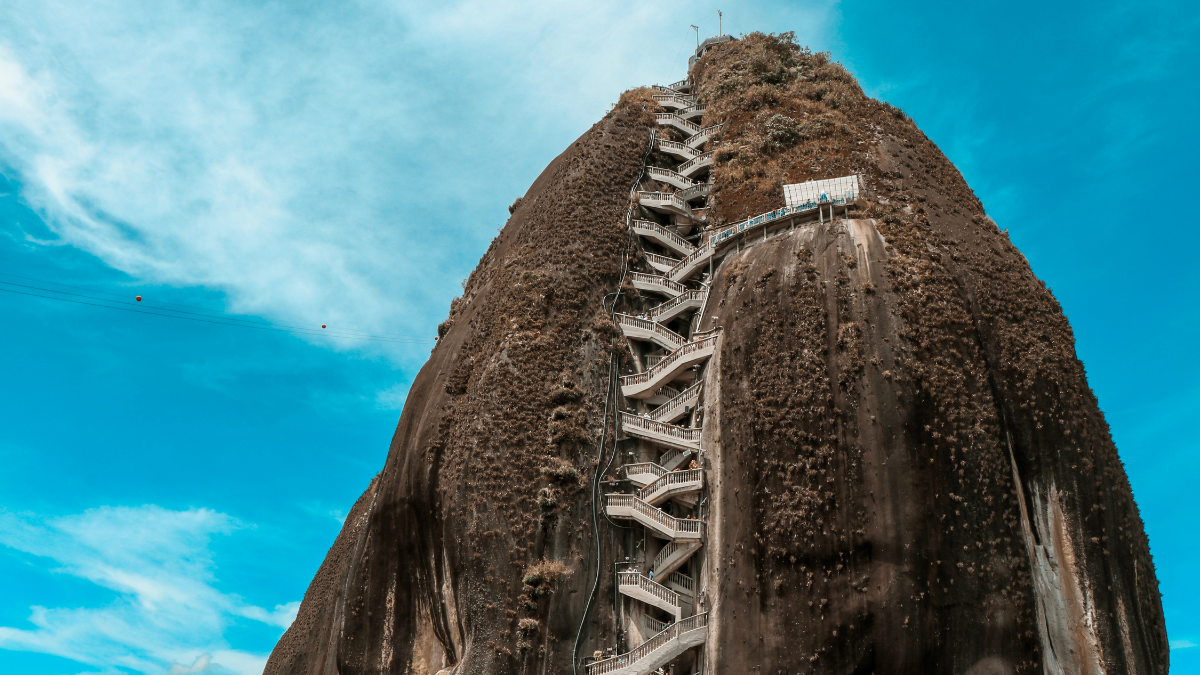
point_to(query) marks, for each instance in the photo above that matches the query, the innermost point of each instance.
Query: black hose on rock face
(609, 397)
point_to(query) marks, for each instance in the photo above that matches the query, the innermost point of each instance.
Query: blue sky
(169, 487)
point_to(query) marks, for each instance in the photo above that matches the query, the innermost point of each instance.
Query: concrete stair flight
(669, 177)
(631, 507)
(678, 150)
(682, 584)
(642, 385)
(666, 202)
(675, 458)
(673, 556)
(656, 284)
(696, 161)
(673, 120)
(684, 302)
(639, 587)
(701, 136)
(670, 435)
(663, 236)
(674, 484)
(675, 101)
(679, 406)
(657, 651)
(691, 264)
(661, 263)
(652, 331)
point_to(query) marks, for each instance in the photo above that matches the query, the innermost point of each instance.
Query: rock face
(904, 468)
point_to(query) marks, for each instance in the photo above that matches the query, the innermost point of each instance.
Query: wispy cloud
(1182, 644)
(340, 164)
(167, 611)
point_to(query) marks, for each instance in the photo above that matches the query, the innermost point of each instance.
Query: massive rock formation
(904, 470)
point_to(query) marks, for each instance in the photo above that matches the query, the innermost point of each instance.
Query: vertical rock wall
(915, 475)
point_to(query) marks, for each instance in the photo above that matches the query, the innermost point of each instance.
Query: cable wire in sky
(204, 311)
(195, 316)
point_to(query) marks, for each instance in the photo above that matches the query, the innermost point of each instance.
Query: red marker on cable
(138, 298)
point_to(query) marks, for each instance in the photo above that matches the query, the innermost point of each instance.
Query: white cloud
(341, 164)
(392, 398)
(166, 609)
(1182, 644)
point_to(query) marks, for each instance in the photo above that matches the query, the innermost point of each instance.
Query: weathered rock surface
(908, 471)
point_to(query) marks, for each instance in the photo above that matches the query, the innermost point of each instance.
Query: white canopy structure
(828, 191)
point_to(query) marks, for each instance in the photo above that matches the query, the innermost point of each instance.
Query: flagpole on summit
(697, 29)
(720, 30)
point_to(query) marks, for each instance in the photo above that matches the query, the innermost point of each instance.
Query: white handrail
(686, 349)
(685, 434)
(675, 525)
(672, 479)
(672, 118)
(644, 584)
(657, 280)
(665, 197)
(667, 175)
(700, 158)
(663, 260)
(659, 310)
(683, 397)
(657, 642)
(678, 148)
(655, 327)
